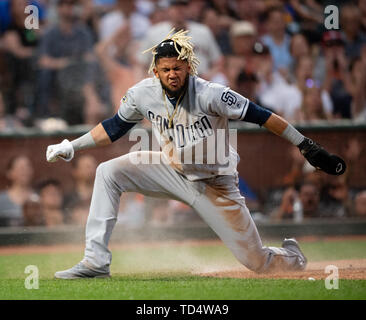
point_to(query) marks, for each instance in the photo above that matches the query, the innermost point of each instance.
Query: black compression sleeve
(116, 127)
(256, 114)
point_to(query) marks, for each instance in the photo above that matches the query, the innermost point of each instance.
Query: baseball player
(185, 111)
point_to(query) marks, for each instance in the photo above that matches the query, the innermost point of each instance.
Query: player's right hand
(63, 150)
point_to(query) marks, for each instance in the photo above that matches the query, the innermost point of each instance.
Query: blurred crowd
(48, 204)
(85, 54)
(77, 65)
(306, 194)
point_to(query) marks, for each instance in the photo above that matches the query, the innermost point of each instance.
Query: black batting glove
(321, 159)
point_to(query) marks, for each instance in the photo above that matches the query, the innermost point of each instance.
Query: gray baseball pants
(217, 200)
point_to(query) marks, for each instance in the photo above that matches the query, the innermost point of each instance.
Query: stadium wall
(265, 158)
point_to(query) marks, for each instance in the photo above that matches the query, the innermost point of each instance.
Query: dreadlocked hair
(183, 47)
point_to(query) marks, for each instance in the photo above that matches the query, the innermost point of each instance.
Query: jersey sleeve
(128, 110)
(227, 103)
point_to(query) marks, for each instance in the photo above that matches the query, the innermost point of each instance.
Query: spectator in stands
(206, 48)
(301, 171)
(246, 85)
(286, 209)
(89, 15)
(334, 196)
(352, 152)
(313, 176)
(309, 10)
(103, 6)
(360, 204)
(358, 87)
(300, 48)
(7, 122)
(117, 56)
(274, 92)
(312, 108)
(51, 200)
(315, 102)
(160, 12)
(336, 200)
(32, 213)
(277, 39)
(296, 173)
(19, 172)
(299, 205)
(351, 30)
(242, 40)
(362, 7)
(146, 7)
(68, 65)
(303, 71)
(196, 9)
(224, 8)
(307, 85)
(76, 203)
(337, 76)
(125, 13)
(20, 45)
(251, 11)
(307, 15)
(220, 27)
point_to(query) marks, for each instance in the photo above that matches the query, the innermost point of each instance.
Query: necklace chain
(170, 118)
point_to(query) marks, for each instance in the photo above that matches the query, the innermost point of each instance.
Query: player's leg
(122, 175)
(224, 209)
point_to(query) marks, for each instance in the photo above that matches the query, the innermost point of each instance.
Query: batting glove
(63, 150)
(321, 159)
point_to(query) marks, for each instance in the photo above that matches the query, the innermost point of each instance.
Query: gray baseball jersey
(194, 145)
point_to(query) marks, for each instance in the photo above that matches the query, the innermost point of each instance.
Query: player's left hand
(321, 159)
(63, 150)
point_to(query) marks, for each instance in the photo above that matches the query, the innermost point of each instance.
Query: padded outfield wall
(265, 158)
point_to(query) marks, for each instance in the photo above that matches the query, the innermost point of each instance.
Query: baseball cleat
(81, 271)
(292, 245)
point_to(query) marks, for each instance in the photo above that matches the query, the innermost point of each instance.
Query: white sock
(292, 135)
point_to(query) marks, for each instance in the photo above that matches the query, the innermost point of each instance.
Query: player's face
(173, 74)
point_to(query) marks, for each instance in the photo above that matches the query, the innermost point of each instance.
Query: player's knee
(104, 170)
(100, 169)
(112, 172)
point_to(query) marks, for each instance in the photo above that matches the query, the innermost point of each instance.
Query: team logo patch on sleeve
(124, 99)
(230, 99)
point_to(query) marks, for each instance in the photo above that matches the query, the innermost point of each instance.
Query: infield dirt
(347, 269)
